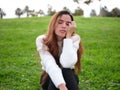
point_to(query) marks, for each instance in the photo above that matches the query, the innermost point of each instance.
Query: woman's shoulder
(40, 44)
(40, 37)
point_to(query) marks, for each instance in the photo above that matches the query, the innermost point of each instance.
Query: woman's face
(62, 25)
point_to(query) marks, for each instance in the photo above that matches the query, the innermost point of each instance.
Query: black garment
(51, 86)
(70, 78)
(45, 86)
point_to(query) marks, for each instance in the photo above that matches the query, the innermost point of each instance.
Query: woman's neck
(59, 38)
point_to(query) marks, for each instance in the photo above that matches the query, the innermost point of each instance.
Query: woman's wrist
(68, 35)
(62, 87)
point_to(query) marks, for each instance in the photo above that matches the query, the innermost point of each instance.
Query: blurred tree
(86, 12)
(18, 12)
(50, 11)
(26, 10)
(104, 12)
(65, 8)
(41, 12)
(86, 1)
(115, 12)
(2, 13)
(93, 13)
(78, 11)
(77, 1)
(35, 13)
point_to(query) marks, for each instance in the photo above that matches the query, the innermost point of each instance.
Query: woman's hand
(71, 29)
(62, 87)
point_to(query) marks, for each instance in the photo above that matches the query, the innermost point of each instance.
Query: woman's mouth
(63, 31)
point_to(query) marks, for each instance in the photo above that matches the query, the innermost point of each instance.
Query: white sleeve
(49, 64)
(68, 57)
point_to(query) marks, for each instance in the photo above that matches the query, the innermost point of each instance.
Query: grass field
(19, 62)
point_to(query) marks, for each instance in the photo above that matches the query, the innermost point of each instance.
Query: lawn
(20, 67)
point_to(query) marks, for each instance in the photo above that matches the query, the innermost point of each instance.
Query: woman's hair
(51, 39)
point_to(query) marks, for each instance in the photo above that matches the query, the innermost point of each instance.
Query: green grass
(19, 62)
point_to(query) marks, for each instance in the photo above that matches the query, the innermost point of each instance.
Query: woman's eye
(60, 22)
(67, 23)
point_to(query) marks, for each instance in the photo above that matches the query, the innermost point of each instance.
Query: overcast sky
(9, 6)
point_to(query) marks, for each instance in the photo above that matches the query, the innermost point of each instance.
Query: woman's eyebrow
(60, 20)
(64, 21)
(68, 22)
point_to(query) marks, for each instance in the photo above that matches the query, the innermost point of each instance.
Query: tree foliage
(115, 12)
(105, 13)
(2, 13)
(50, 10)
(77, 1)
(78, 12)
(18, 12)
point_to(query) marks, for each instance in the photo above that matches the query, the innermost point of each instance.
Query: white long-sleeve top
(68, 57)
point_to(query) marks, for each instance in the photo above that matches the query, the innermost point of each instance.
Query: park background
(20, 67)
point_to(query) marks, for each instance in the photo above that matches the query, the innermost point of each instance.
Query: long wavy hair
(51, 40)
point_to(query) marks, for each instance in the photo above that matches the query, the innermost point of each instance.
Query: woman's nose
(64, 24)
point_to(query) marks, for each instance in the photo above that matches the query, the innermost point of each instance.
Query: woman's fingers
(72, 25)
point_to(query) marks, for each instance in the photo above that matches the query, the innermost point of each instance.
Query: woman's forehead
(64, 17)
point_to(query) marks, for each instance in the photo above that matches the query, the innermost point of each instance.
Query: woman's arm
(68, 57)
(49, 64)
(70, 46)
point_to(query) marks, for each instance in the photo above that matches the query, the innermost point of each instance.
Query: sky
(9, 6)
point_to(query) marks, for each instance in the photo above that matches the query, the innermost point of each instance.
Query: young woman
(60, 51)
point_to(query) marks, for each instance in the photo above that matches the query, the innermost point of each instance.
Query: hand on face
(71, 29)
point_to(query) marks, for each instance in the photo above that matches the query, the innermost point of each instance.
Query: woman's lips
(63, 31)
